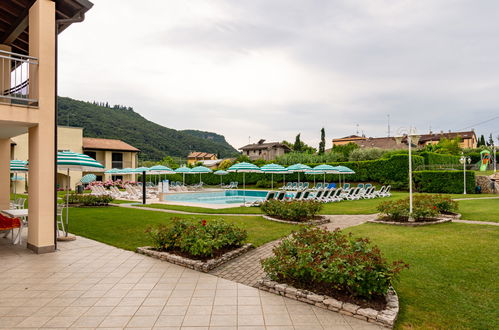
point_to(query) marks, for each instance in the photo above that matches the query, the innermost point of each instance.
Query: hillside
(155, 141)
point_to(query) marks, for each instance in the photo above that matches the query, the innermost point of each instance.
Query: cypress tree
(297, 145)
(322, 144)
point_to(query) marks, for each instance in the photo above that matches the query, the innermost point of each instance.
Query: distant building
(195, 157)
(265, 151)
(468, 140)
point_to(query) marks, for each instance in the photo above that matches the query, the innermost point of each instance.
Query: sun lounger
(346, 186)
(270, 195)
(335, 196)
(281, 196)
(287, 186)
(318, 186)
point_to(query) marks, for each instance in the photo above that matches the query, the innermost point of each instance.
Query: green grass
(124, 228)
(365, 206)
(480, 210)
(452, 279)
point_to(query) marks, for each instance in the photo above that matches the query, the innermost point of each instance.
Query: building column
(4, 174)
(41, 190)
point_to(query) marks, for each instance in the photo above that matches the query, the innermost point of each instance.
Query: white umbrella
(184, 170)
(200, 170)
(298, 168)
(17, 166)
(326, 169)
(221, 173)
(274, 169)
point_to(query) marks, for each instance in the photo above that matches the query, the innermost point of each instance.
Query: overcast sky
(273, 68)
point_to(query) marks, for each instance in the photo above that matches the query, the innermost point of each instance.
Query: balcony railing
(18, 74)
(121, 164)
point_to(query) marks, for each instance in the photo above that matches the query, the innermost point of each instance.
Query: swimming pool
(218, 197)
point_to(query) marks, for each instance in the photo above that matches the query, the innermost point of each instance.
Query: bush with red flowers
(197, 239)
(332, 263)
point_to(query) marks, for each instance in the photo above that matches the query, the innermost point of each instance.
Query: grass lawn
(452, 279)
(365, 206)
(124, 228)
(480, 210)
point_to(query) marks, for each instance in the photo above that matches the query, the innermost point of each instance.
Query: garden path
(477, 222)
(246, 269)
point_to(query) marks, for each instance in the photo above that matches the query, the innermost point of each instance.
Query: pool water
(218, 197)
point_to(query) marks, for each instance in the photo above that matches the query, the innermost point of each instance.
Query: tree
(322, 144)
(481, 141)
(297, 145)
(449, 146)
(490, 142)
(169, 162)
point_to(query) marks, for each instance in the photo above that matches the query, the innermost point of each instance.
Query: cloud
(275, 68)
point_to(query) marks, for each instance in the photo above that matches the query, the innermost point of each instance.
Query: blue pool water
(218, 197)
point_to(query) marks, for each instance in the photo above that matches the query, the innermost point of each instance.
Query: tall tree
(322, 144)
(481, 141)
(490, 142)
(297, 146)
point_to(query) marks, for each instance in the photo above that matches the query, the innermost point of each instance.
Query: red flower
(435, 207)
(203, 222)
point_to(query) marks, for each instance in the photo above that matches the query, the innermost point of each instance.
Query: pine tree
(481, 141)
(490, 142)
(297, 145)
(322, 144)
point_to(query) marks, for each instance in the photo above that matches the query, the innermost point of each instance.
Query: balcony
(18, 74)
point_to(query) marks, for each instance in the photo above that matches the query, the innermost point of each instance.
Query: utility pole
(388, 116)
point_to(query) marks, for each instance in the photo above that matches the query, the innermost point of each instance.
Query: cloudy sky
(273, 68)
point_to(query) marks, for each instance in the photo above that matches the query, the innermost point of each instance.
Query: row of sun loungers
(232, 185)
(330, 195)
(131, 192)
(179, 186)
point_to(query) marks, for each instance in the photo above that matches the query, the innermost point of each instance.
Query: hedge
(392, 170)
(449, 182)
(432, 158)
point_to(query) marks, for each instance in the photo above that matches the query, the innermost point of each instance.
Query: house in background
(468, 140)
(266, 151)
(195, 157)
(110, 153)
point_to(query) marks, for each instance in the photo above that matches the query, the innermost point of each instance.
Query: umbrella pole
(298, 177)
(272, 181)
(183, 180)
(200, 178)
(15, 184)
(244, 188)
(221, 181)
(284, 180)
(67, 204)
(324, 178)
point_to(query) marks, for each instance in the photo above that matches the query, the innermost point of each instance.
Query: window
(117, 160)
(99, 178)
(91, 154)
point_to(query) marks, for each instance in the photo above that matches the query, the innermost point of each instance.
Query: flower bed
(426, 208)
(201, 245)
(297, 211)
(89, 200)
(335, 265)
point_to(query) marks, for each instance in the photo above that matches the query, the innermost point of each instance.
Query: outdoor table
(18, 213)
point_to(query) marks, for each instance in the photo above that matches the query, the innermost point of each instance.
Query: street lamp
(411, 136)
(464, 160)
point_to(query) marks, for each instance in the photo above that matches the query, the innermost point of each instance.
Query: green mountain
(101, 120)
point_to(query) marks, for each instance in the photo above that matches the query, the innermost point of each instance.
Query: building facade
(195, 157)
(28, 64)
(266, 151)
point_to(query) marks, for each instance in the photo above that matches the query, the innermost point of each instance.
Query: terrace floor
(87, 284)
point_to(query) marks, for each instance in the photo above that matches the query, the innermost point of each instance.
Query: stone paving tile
(113, 288)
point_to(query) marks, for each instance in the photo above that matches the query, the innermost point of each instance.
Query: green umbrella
(326, 169)
(314, 173)
(18, 166)
(274, 169)
(201, 170)
(344, 170)
(298, 168)
(86, 179)
(244, 168)
(160, 169)
(183, 170)
(67, 160)
(221, 173)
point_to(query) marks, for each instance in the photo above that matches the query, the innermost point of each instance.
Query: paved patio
(88, 284)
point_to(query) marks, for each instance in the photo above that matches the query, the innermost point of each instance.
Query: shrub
(264, 183)
(450, 182)
(432, 158)
(331, 263)
(292, 210)
(424, 207)
(200, 239)
(89, 200)
(366, 154)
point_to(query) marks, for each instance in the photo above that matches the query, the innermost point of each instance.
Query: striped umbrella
(221, 173)
(18, 166)
(86, 179)
(274, 169)
(67, 160)
(326, 169)
(298, 168)
(314, 173)
(200, 170)
(160, 169)
(184, 170)
(244, 168)
(344, 170)
(141, 169)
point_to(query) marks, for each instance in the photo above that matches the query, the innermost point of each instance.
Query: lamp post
(464, 160)
(411, 136)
